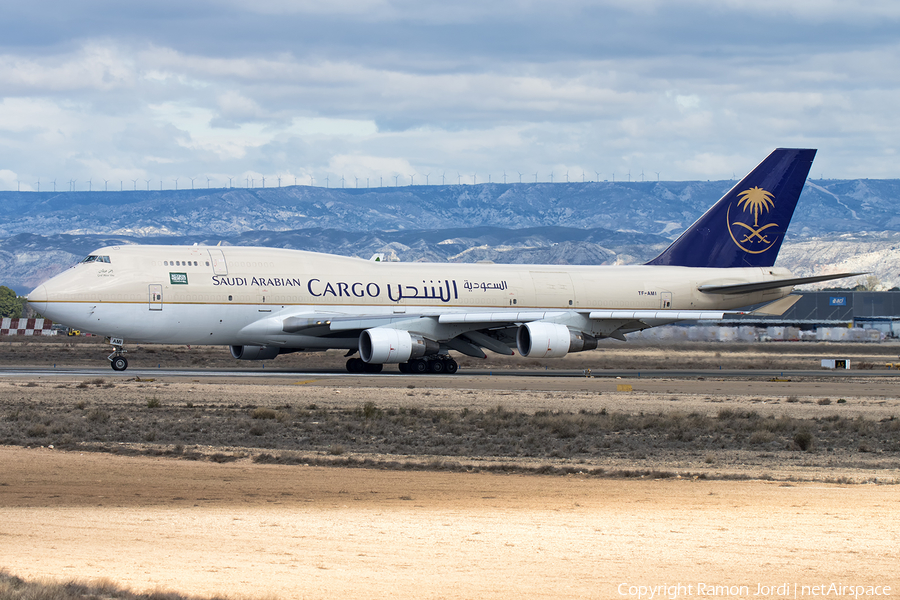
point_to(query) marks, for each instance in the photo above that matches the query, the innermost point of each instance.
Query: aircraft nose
(38, 299)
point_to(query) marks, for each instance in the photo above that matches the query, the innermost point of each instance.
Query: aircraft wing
(470, 332)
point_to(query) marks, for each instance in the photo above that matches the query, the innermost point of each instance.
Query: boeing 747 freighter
(263, 302)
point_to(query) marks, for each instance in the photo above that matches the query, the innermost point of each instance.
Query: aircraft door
(218, 261)
(155, 296)
(665, 300)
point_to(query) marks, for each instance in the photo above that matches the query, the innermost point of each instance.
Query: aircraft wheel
(418, 367)
(119, 363)
(436, 366)
(373, 367)
(355, 365)
(451, 366)
(404, 367)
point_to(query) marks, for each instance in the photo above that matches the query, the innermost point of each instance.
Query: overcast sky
(387, 89)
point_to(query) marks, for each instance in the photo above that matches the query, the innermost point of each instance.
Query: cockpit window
(96, 258)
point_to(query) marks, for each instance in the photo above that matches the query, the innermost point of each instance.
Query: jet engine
(551, 340)
(381, 346)
(255, 352)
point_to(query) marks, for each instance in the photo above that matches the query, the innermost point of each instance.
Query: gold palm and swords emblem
(757, 201)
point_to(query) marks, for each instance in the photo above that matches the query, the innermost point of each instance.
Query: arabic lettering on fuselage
(443, 290)
(485, 286)
(427, 291)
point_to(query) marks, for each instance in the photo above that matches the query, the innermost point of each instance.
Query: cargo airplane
(263, 302)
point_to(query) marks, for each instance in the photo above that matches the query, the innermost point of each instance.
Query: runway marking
(304, 382)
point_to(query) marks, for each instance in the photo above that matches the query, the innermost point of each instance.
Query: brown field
(460, 487)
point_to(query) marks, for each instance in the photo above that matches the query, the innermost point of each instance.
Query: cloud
(167, 89)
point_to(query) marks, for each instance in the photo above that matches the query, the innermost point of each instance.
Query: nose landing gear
(117, 359)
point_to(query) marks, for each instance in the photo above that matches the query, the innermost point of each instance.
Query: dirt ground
(293, 532)
(254, 530)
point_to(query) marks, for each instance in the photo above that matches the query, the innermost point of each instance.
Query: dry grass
(499, 433)
(15, 588)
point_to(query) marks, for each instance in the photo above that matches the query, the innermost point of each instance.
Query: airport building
(825, 311)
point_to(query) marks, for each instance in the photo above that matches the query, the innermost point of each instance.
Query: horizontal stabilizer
(777, 308)
(746, 288)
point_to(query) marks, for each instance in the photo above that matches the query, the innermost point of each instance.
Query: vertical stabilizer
(746, 226)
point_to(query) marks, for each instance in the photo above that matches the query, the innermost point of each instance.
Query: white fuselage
(242, 295)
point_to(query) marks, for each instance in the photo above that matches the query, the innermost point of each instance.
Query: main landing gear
(117, 359)
(438, 365)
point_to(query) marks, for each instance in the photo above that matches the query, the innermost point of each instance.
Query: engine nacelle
(551, 340)
(380, 346)
(255, 352)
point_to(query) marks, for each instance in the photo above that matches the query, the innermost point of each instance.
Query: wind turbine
(412, 179)
(657, 175)
(252, 182)
(520, 177)
(551, 176)
(135, 184)
(39, 184)
(264, 181)
(106, 185)
(442, 177)
(396, 178)
(229, 181)
(326, 182)
(176, 182)
(279, 181)
(642, 175)
(535, 177)
(504, 177)
(458, 178)
(598, 176)
(89, 185)
(357, 181)
(474, 178)
(54, 186)
(426, 178)
(207, 182)
(567, 177)
(72, 185)
(148, 184)
(192, 182)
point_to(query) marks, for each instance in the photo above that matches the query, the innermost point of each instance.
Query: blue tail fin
(746, 226)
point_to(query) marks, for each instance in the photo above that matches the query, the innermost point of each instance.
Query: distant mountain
(661, 208)
(42, 233)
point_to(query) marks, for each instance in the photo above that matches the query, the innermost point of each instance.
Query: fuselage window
(165, 263)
